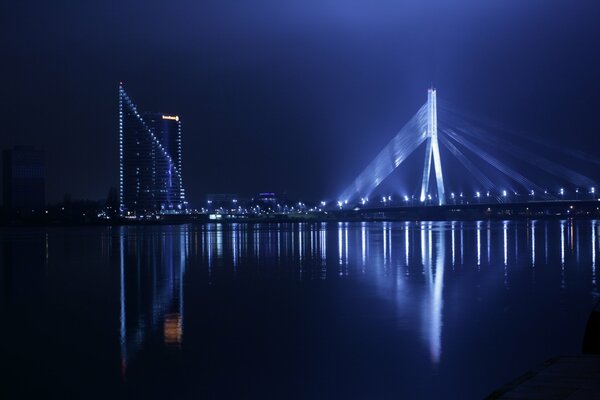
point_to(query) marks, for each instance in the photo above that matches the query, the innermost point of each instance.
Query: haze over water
(325, 310)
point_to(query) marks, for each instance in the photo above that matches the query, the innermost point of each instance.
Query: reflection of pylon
(432, 151)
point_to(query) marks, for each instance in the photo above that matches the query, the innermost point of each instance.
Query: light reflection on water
(419, 268)
(231, 243)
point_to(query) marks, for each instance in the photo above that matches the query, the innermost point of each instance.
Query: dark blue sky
(294, 96)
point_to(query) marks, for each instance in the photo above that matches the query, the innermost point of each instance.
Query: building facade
(150, 162)
(24, 178)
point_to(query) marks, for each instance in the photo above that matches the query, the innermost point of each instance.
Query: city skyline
(283, 91)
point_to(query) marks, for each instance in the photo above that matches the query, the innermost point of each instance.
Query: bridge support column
(432, 152)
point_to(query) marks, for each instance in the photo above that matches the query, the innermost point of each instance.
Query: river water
(378, 310)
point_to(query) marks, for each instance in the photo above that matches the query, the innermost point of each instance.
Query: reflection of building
(24, 176)
(151, 292)
(150, 177)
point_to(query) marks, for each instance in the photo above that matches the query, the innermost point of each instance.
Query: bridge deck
(569, 377)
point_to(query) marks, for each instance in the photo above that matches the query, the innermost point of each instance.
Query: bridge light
(504, 193)
(405, 198)
(429, 196)
(383, 199)
(323, 204)
(389, 198)
(477, 194)
(452, 195)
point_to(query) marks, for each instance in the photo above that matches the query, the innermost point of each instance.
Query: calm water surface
(349, 310)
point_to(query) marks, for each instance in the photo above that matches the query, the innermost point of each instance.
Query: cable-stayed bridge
(487, 165)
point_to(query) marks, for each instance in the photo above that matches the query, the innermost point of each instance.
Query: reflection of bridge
(484, 163)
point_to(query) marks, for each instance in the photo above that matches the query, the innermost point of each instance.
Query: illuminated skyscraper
(150, 179)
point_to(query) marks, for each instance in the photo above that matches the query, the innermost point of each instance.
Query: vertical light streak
(423, 261)
(533, 243)
(340, 247)
(505, 237)
(363, 243)
(453, 243)
(346, 247)
(489, 230)
(234, 243)
(562, 254)
(435, 338)
(300, 241)
(406, 245)
(594, 254)
(219, 242)
(324, 252)
(384, 245)
(122, 314)
(209, 248)
(478, 243)
(562, 243)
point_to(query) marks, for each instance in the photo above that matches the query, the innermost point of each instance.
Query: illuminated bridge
(469, 163)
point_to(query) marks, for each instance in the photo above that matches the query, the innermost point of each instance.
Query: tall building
(24, 178)
(150, 179)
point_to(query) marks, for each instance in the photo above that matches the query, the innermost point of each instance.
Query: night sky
(286, 96)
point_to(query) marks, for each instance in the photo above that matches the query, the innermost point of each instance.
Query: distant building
(150, 162)
(267, 198)
(223, 202)
(24, 178)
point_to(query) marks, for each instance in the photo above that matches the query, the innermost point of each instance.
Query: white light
(504, 193)
(405, 198)
(477, 194)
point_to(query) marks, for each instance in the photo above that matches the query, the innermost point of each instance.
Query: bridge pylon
(432, 152)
